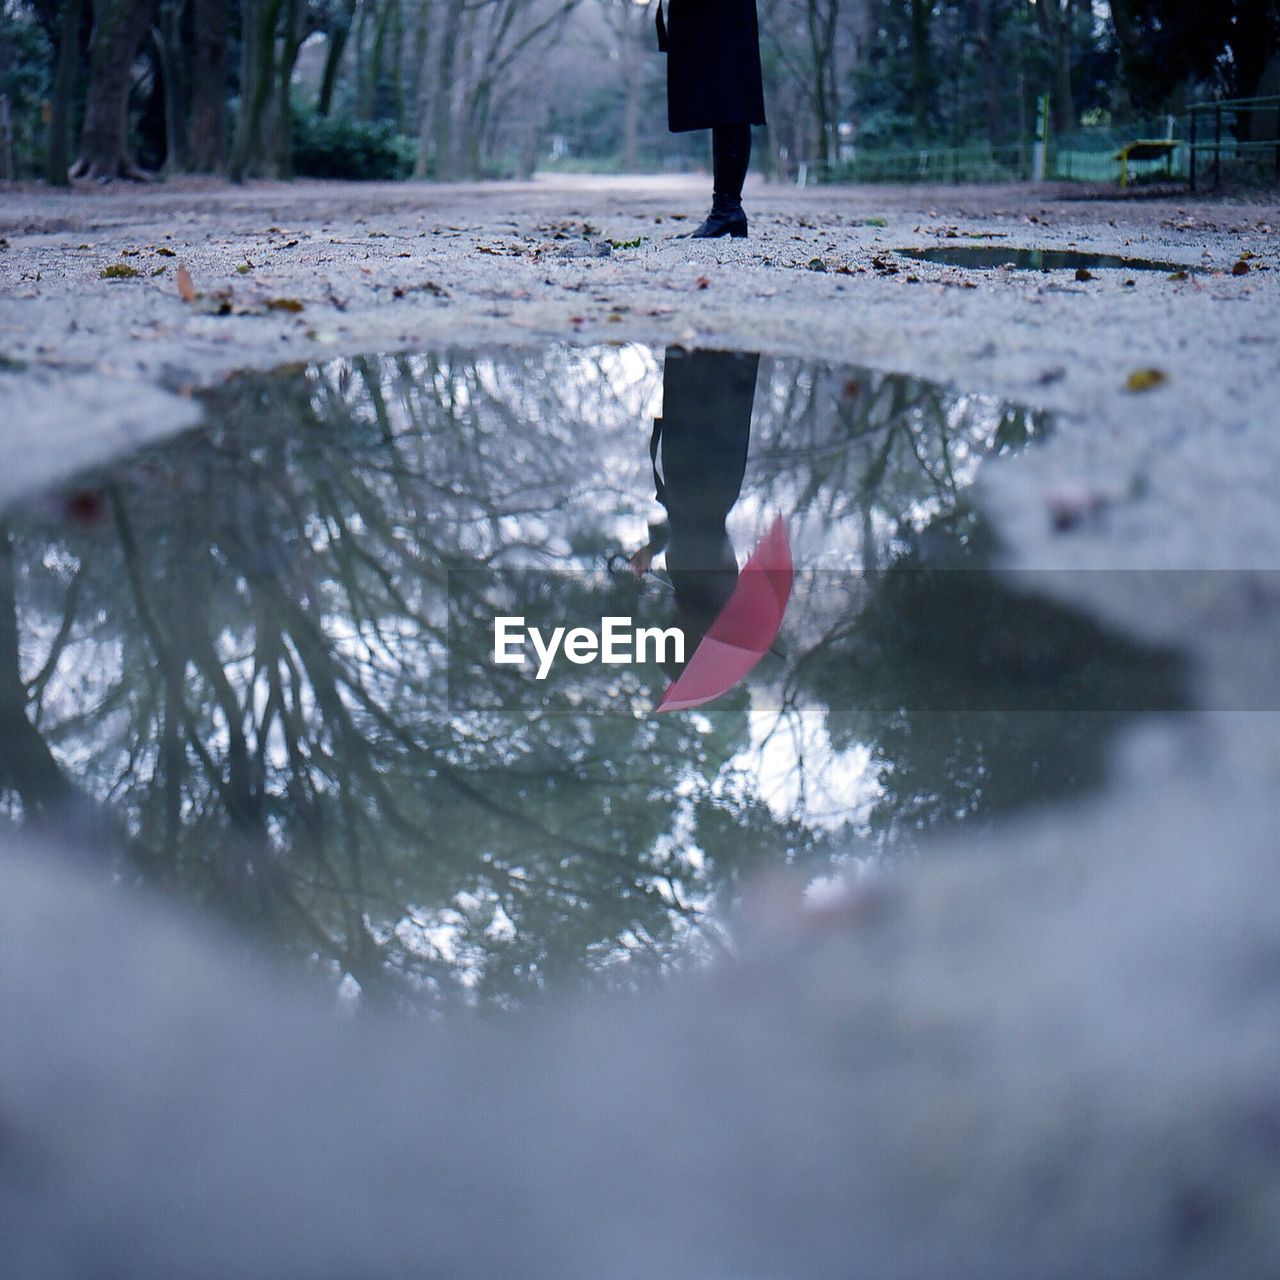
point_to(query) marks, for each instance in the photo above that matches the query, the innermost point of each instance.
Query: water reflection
(702, 439)
(228, 659)
(991, 256)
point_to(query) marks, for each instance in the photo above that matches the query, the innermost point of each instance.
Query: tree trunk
(985, 36)
(435, 141)
(27, 766)
(1054, 17)
(362, 18)
(821, 28)
(256, 87)
(397, 68)
(57, 159)
(371, 106)
(623, 26)
(295, 13)
(1122, 22)
(173, 69)
(631, 118)
(419, 88)
(209, 86)
(333, 56)
(118, 29)
(921, 71)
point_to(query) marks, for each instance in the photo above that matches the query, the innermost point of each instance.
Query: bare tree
(64, 83)
(339, 33)
(209, 85)
(1054, 18)
(922, 77)
(172, 57)
(118, 29)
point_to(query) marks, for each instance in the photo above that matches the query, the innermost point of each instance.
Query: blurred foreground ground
(1058, 1054)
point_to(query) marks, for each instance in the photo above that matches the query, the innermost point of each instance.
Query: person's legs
(730, 155)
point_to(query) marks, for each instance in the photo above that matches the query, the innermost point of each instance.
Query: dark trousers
(730, 155)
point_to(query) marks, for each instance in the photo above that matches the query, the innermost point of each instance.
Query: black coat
(713, 63)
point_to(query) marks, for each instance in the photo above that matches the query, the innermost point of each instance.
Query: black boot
(730, 156)
(725, 219)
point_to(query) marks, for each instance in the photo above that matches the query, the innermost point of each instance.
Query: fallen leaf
(186, 290)
(283, 304)
(817, 264)
(1177, 275)
(118, 271)
(1083, 273)
(1146, 379)
(702, 282)
(164, 252)
(1241, 268)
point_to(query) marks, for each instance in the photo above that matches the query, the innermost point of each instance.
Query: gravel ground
(1054, 1056)
(382, 267)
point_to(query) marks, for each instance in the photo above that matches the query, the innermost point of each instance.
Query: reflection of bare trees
(867, 465)
(232, 650)
(243, 651)
(871, 455)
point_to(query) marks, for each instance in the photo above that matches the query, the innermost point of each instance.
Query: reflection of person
(714, 82)
(701, 442)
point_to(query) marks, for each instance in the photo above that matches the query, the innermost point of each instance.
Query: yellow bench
(1145, 149)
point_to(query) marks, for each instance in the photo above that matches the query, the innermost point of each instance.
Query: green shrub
(341, 147)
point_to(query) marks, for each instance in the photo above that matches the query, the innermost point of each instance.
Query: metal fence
(1237, 139)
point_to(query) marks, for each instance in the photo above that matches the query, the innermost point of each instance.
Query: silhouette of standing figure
(714, 82)
(701, 443)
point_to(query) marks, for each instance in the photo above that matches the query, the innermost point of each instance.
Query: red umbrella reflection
(743, 630)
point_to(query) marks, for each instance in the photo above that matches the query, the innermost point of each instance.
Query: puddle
(989, 256)
(245, 666)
